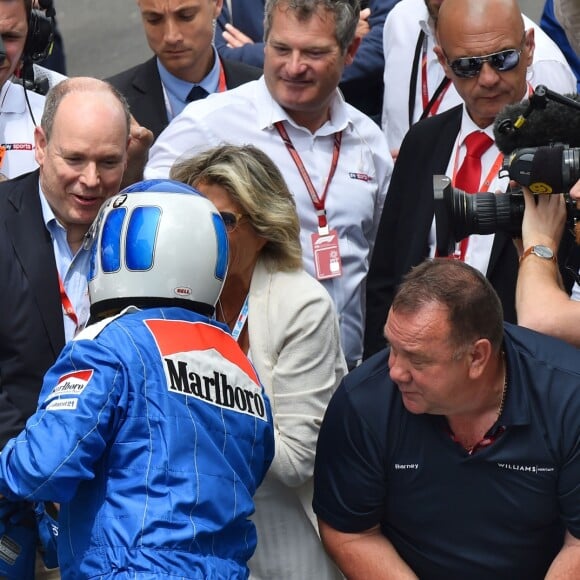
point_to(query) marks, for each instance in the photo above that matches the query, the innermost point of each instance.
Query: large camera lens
(459, 214)
(570, 167)
(486, 213)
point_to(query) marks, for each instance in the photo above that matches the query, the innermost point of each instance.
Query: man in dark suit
(81, 149)
(406, 235)
(186, 66)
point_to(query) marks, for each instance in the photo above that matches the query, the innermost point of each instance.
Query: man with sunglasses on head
(415, 84)
(485, 51)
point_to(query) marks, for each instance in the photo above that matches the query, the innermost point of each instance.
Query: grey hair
(255, 183)
(346, 14)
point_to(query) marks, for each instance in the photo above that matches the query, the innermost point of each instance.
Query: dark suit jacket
(142, 88)
(31, 323)
(403, 236)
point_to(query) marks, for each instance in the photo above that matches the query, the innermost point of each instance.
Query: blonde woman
(286, 322)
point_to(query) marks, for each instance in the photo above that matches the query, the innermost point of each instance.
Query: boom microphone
(535, 123)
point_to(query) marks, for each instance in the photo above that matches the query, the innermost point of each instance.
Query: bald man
(500, 50)
(408, 42)
(81, 148)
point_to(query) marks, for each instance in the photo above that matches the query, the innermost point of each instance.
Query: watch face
(543, 252)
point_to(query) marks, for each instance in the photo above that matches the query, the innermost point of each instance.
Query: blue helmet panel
(111, 240)
(141, 236)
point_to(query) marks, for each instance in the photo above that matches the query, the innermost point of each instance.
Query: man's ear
(442, 60)
(529, 46)
(40, 144)
(351, 50)
(480, 354)
(218, 7)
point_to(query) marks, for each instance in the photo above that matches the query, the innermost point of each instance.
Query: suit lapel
(149, 102)
(33, 247)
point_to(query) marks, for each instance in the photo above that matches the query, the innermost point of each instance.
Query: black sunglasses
(468, 67)
(231, 219)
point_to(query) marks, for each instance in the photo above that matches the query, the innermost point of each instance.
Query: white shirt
(17, 124)
(355, 197)
(400, 35)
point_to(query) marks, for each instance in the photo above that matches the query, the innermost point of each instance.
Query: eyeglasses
(469, 67)
(231, 219)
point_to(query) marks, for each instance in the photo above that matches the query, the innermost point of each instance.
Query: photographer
(542, 303)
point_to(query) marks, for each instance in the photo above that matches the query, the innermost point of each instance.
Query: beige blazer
(295, 348)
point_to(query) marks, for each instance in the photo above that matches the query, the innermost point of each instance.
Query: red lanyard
(222, 80)
(67, 305)
(425, 88)
(317, 202)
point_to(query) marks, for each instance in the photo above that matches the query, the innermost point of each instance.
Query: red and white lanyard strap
(430, 105)
(317, 202)
(325, 246)
(67, 305)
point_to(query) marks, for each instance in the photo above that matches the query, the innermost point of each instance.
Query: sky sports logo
(359, 176)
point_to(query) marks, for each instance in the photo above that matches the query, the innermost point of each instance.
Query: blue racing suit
(153, 432)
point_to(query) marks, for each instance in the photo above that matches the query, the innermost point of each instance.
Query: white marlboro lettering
(228, 388)
(69, 404)
(71, 384)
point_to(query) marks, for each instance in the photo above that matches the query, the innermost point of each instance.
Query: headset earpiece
(40, 33)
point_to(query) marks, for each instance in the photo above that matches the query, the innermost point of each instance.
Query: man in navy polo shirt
(455, 453)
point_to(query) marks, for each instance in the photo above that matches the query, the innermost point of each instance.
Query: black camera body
(549, 169)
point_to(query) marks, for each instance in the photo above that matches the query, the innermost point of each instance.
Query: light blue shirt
(175, 90)
(72, 269)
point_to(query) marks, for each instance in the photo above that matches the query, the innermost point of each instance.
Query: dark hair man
(454, 453)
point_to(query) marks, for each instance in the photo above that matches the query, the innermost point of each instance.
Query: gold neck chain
(505, 387)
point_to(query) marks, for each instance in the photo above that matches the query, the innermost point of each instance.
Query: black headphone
(40, 32)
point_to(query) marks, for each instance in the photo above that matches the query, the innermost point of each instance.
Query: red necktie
(468, 177)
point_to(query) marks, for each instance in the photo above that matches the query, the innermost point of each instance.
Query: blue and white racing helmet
(158, 241)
